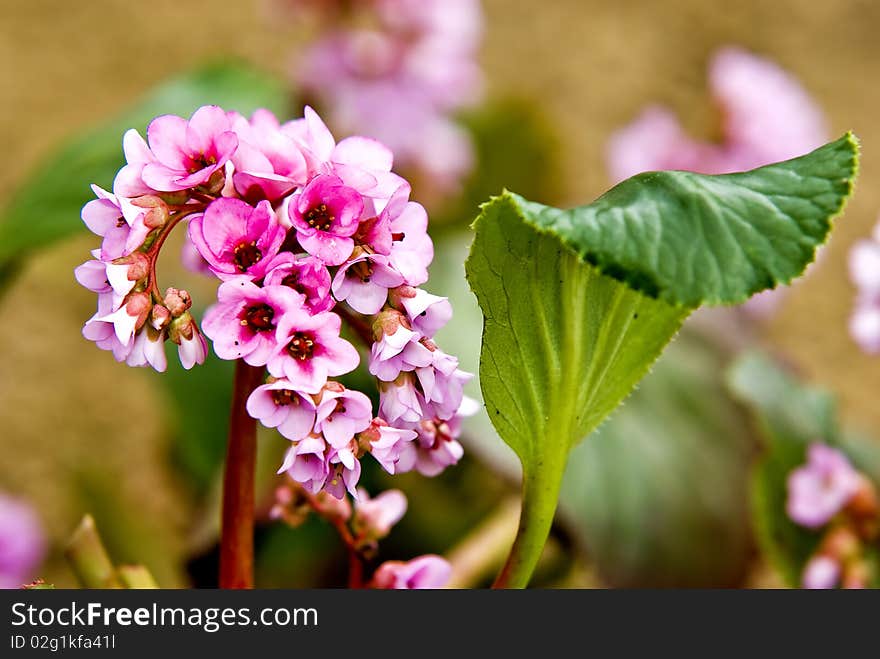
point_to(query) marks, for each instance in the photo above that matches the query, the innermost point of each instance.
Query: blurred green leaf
(516, 147)
(46, 208)
(199, 402)
(658, 495)
(791, 416)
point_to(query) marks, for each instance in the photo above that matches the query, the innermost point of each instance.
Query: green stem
(88, 558)
(541, 484)
(136, 577)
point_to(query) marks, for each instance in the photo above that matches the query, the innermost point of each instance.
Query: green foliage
(47, 207)
(578, 304)
(691, 239)
(658, 495)
(791, 416)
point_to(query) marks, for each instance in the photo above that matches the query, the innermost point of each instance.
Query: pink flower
(341, 414)
(126, 319)
(413, 253)
(192, 260)
(104, 333)
(148, 349)
(767, 116)
(427, 313)
(123, 232)
(188, 153)
(364, 281)
(361, 163)
(268, 163)
(345, 472)
(399, 400)
(821, 572)
(309, 349)
(93, 275)
(442, 385)
(306, 275)
(278, 405)
(22, 542)
(129, 180)
(423, 572)
(242, 324)
(374, 517)
(325, 215)
(192, 348)
(864, 268)
(821, 488)
(391, 447)
(437, 447)
(397, 352)
(305, 463)
(236, 238)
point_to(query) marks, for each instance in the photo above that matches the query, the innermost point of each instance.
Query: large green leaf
(47, 207)
(578, 304)
(691, 239)
(791, 416)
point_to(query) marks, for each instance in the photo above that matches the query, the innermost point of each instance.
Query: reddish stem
(156, 247)
(355, 558)
(237, 533)
(357, 323)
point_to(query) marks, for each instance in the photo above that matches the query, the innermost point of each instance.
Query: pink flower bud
(159, 317)
(138, 265)
(156, 214)
(177, 301)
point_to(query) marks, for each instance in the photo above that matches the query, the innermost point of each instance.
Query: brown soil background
(65, 66)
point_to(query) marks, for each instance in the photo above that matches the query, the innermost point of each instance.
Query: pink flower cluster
(397, 74)
(864, 268)
(829, 492)
(765, 116)
(361, 527)
(302, 232)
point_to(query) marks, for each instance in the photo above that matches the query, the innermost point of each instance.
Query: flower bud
(386, 323)
(138, 305)
(177, 301)
(856, 575)
(864, 503)
(397, 295)
(156, 214)
(159, 317)
(215, 184)
(181, 328)
(840, 543)
(138, 265)
(175, 198)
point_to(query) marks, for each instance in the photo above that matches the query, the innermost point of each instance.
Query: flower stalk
(237, 532)
(542, 481)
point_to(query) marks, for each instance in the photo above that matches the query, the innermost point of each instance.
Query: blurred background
(660, 497)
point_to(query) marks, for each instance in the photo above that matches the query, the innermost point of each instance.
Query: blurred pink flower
(420, 573)
(864, 268)
(399, 81)
(818, 490)
(22, 542)
(821, 572)
(375, 517)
